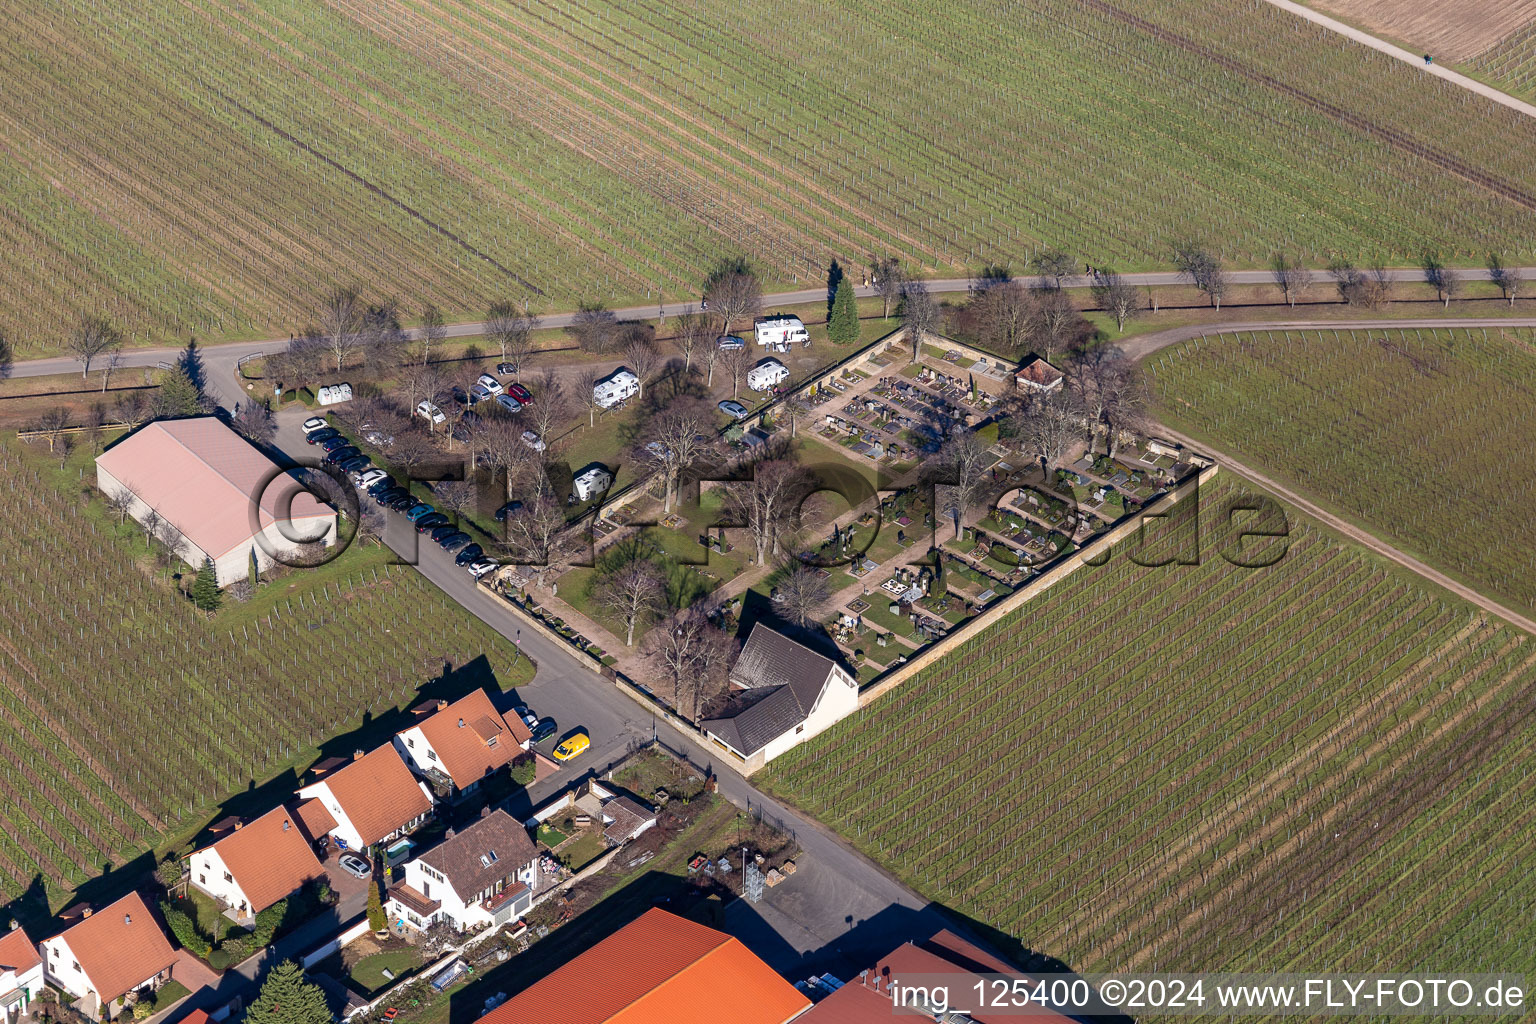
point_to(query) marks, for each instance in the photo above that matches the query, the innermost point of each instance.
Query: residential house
(370, 799)
(109, 954)
(455, 746)
(786, 693)
(214, 495)
(943, 960)
(479, 877)
(1038, 375)
(659, 967)
(257, 864)
(21, 974)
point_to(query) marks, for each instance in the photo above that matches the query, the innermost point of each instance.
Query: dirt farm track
(1451, 31)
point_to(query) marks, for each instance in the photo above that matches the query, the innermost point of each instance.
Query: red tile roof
(119, 947)
(1039, 373)
(17, 952)
(270, 858)
(471, 739)
(659, 969)
(314, 819)
(202, 478)
(378, 793)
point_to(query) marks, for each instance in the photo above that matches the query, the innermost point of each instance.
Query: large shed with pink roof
(208, 493)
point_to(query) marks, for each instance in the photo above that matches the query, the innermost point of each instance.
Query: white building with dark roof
(786, 693)
(480, 877)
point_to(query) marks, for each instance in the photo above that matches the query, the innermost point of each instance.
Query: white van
(780, 331)
(766, 374)
(590, 482)
(621, 384)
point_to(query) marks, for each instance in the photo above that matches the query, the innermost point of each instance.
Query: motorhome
(766, 374)
(618, 386)
(780, 331)
(591, 482)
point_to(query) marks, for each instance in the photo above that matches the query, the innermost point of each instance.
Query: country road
(221, 359)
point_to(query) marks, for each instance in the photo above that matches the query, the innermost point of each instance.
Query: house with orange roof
(210, 494)
(257, 864)
(21, 974)
(371, 799)
(108, 954)
(457, 746)
(658, 969)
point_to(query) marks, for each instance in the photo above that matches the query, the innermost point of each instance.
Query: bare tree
(737, 362)
(433, 330)
(1110, 391)
(1359, 288)
(959, 472)
(800, 593)
(586, 393)
(634, 589)
(1048, 427)
(1203, 268)
(694, 654)
(1506, 279)
(52, 424)
(674, 441)
(710, 356)
(340, 318)
(532, 529)
(132, 409)
(550, 410)
(95, 416)
(641, 357)
(1445, 281)
(512, 332)
(887, 276)
(1001, 312)
(1054, 323)
(1291, 277)
(456, 496)
(369, 520)
(1052, 265)
(253, 420)
(92, 336)
(381, 337)
(411, 449)
(120, 502)
(768, 505)
(733, 293)
(419, 383)
(1117, 297)
(692, 337)
(792, 409)
(595, 328)
(919, 314)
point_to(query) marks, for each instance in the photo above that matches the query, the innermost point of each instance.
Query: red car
(520, 393)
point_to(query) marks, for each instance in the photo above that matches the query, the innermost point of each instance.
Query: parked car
(430, 521)
(735, 410)
(402, 501)
(534, 441)
(483, 567)
(354, 865)
(522, 711)
(509, 403)
(384, 483)
(430, 413)
(419, 512)
(544, 729)
(439, 533)
(323, 434)
(479, 393)
(506, 510)
(574, 744)
(730, 343)
(340, 455)
(356, 464)
(506, 368)
(520, 393)
(469, 554)
(333, 442)
(315, 423)
(456, 539)
(368, 477)
(389, 494)
(490, 383)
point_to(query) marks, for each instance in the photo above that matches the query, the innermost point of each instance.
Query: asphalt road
(220, 360)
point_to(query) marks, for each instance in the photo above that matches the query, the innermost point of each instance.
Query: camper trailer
(590, 482)
(780, 331)
(618, 386)
(766, 374)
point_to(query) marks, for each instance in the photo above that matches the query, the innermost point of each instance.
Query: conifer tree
(287, 997)
(205, 588)
(843, 326)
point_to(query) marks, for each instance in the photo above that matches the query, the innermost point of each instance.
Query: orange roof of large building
(205, 480)
(472, 739)
(270, 858)
(659, 969)
(119, 947)
(378, 793)
(18, 954)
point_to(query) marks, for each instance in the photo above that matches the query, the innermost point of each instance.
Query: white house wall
(208, 871)
(839, 698)
(61, 968)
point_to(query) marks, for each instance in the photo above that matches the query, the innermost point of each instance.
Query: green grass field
(468, 150)
(126, 715)
(1206, 767)
(1423, 436)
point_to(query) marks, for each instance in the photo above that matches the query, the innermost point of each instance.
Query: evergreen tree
(178, 396)
(254, 573)
(939, 588)
(205, 588)
(376, 919)
(843, 326)
(287, 997)
(190, 362)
